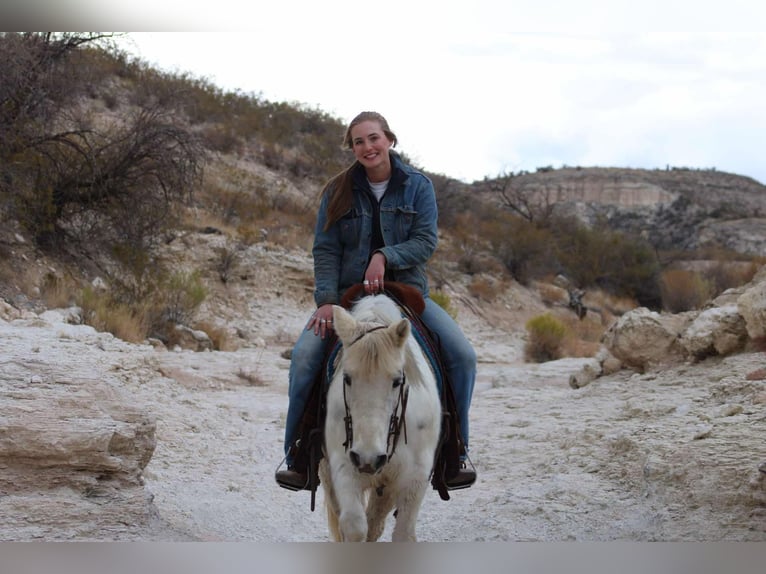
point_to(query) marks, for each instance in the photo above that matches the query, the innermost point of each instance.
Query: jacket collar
(398, 174)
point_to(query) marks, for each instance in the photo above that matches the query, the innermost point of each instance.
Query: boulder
(752, 306)
(715, 331)
(642, 339)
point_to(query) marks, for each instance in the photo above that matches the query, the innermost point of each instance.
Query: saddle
(306, 452)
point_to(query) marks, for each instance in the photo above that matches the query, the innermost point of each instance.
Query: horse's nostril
(380, 461)
(355, 460)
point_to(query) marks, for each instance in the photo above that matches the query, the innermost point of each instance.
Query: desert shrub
(600, 257)
(226, 262)
(485, 288)
(525, 248)
(180, 295)
(545, 335)
(159, 298)
(219, 138)
(583, 336)
(71, 177)
(684, 290)
(726, 275)
(105, 313)
(444, 301)
(57, 292)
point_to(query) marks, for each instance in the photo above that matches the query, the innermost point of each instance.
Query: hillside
(675, 209)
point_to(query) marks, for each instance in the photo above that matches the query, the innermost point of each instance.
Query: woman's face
(370, 145)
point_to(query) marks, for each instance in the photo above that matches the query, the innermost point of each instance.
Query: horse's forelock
(375, 352)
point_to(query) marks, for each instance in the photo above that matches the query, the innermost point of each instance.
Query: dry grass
(583, 336)
(57, 292)
(684, 290)
(551, 294)
(486, 288)
(102, 313)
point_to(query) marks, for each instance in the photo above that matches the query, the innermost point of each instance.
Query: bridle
(396, 425)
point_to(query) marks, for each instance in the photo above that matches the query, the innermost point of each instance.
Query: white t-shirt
(378, 188)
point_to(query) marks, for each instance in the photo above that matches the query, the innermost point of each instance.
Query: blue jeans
(458, 357)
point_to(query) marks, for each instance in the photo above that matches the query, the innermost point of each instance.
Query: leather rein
(396, 425)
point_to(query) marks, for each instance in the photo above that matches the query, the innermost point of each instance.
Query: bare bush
(68, 177)
(684, 290)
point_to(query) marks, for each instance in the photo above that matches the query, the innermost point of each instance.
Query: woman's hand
(373, 277)
(321, 321)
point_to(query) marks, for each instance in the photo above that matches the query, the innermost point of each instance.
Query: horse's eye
(398, 381)
(346, 380)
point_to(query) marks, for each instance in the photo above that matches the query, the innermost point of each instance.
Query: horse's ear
(400, 331)
(344, 323)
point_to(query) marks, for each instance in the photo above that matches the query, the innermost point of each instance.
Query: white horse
(382, 425)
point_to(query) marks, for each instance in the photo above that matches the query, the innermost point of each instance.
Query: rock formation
(73, 446)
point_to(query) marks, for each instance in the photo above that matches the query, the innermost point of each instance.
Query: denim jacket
(408, 221)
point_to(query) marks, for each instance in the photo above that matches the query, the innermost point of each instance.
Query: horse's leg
(407, 508)
(332, 522)
(350, 504)
(378, 508)
(330, 501)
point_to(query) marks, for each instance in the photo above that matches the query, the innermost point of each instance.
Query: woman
(376, 223)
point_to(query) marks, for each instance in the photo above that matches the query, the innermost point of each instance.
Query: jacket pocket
(350, 227)
(404, 218)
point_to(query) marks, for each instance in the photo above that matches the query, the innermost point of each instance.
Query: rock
(192, 339)
(72, 453)
(587, 373)
(716, 331)
(609, 363)
(73, 443)
(642, 339)
(752, 306)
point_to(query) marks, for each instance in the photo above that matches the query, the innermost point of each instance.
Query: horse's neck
(378, 309)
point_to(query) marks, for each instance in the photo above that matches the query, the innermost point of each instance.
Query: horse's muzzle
(367, 465)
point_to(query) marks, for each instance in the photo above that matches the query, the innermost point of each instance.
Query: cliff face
(673, 209)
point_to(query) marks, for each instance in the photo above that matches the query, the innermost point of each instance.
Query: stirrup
(464, 478)
(283, 478)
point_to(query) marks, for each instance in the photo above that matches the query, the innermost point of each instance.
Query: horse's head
(372, 374)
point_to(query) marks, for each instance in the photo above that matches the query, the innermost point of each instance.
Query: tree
(532, 201)
(70, 175)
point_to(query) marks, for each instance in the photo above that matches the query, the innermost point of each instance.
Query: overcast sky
(479, 87)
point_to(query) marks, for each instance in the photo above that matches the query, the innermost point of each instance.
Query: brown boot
(463, 478)
(291, 479)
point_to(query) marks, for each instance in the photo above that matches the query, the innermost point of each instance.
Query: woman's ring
(365, 282)
(376, 281)
(323, 320)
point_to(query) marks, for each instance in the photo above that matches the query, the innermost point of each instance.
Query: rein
(396, 425)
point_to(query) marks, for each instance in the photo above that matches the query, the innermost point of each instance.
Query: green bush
(545, 335)
(443, 300)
